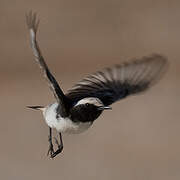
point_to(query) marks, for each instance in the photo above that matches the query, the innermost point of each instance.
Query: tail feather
(36, 107)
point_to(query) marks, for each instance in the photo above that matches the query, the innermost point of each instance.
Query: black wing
(113, 84)
(32, 23)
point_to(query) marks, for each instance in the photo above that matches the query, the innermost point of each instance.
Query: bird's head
(88, 109)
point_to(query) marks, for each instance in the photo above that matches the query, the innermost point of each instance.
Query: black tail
(35, 107)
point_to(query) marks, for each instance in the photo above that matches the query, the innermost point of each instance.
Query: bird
(76, 110)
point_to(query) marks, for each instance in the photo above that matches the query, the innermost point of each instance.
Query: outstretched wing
(113, 84)
(32, 23)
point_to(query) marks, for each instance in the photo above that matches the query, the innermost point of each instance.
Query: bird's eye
(87, 104)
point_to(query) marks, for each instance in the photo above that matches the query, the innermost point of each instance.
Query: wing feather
(32, 23)
(113, 84)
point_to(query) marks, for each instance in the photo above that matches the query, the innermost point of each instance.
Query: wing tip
(32, 21)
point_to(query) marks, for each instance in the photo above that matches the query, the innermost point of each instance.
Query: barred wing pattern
(113, 84)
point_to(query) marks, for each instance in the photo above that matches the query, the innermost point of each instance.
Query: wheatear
(75, 111)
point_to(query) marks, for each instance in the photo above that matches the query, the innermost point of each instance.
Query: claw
(50, 150)
(59, 150)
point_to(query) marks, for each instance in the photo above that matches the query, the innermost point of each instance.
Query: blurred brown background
(139, 139)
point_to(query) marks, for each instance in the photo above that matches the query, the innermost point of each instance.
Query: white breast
(64, 125)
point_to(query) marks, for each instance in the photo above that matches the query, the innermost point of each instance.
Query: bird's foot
(59, 150)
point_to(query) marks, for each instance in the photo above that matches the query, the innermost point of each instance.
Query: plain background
(139, 138)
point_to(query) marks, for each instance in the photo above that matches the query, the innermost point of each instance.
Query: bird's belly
(65, 125)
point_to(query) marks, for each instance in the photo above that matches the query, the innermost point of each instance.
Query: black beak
(104, 108)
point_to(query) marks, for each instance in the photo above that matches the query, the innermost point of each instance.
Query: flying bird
(75, 111)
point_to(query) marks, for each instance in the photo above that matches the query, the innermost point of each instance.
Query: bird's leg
(51, 150)
(60, 146)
